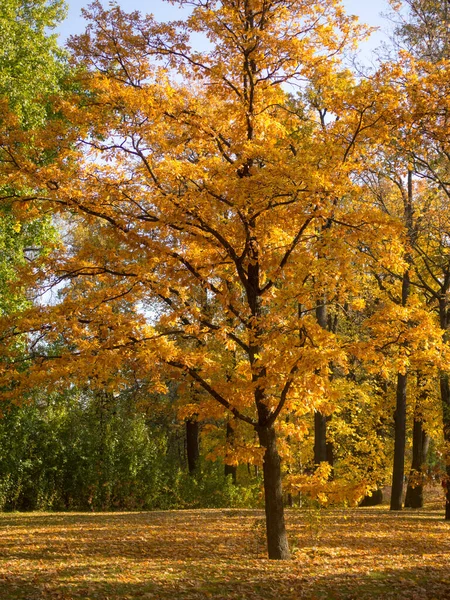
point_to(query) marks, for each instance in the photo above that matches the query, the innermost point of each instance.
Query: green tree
(31, 62)
(31, 69)
(423, 28)
(425, 32)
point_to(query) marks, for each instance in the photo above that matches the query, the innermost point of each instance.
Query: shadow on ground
(195, 554)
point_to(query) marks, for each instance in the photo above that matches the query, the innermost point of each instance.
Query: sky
(368, 11)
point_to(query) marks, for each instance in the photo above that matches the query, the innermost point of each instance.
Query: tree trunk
(323, 451)
(330, 448)
(230, 469)
(320, 438)
(444, 382)
(374, 499)
(192, 445)
(445, 396)
(398, 471)
(277, 542)
(414, 491)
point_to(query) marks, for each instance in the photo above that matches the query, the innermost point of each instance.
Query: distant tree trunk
(445, 396)
(444, 381)
(289, 499)
(323, 448)
(374, 499)
(192, 445)
(323, 451)
(398, 471)
(329, 446)
(320, 438)
(277, 543)
(414, 491)
(230, 469)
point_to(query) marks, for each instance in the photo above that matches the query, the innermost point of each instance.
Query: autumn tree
(424, 32)
(393, 191)
(187, 171)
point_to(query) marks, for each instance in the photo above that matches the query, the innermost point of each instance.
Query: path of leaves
(190, 555)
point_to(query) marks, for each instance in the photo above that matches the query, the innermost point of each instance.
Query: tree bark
(330, 450)
(398, 471)
(323, 451)
(445, 397)
(414, 491)
(192, 445)
(444, 384)
(277, 542)
(320, 438)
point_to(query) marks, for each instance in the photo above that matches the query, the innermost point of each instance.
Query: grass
(198, 554)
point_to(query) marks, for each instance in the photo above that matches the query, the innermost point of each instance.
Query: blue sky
(368, 12)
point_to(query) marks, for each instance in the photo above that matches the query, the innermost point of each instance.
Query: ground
(358, 554)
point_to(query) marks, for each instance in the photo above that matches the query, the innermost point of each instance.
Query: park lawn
(356, 554)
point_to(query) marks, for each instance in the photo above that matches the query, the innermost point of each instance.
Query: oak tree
(196, 192)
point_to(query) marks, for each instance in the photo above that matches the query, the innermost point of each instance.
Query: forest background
(223, 268)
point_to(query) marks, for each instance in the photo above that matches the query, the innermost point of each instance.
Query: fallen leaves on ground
(348, 554)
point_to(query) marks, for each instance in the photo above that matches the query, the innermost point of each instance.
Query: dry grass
(338, 554)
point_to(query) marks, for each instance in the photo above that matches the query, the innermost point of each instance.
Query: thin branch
(212, 392)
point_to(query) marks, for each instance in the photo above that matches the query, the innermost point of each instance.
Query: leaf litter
(358, 554)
